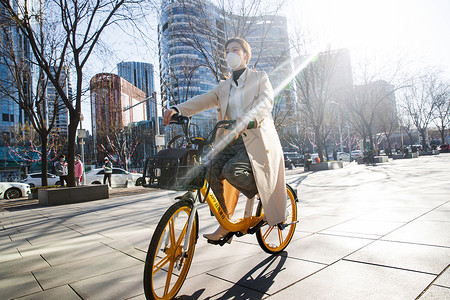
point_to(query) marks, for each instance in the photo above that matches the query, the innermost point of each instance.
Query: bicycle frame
(241, 225)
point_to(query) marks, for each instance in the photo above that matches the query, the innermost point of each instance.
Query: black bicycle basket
(174, 169)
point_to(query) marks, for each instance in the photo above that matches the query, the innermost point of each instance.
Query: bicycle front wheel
(168, 259)
(273, 239)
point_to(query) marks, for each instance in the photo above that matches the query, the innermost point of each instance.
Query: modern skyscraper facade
(140, 74)
(192, 34)
(62, 114)
(112, 107)
(12, 44)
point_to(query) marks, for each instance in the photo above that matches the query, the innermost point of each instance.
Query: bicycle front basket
(174, 169)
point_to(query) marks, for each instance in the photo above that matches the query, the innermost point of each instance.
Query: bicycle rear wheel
(272, 239)
(166, 266)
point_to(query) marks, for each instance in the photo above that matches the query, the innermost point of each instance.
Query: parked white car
(344, 156)
(356, 154)
(12, 190)
(35, 179)
(119, 177)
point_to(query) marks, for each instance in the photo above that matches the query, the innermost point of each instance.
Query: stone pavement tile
(422, 232)
(79, 270)
(5, 232)
(208, 257)
(395, 214)
(127, 247)
(8, 245)
(436, 292)
(121, 284)
(266, 273)
(17, 286)
(139, 297)
(421, 258)
(43, 237)
(325, 249)
(444, 279)
(316, 223)
(210, 287)
(364, 227)
(80, 241)
(9, 254)
(22, 265)
(436, 215)
(57, 293)
(61, 254)
(350, 280)
(346, 211)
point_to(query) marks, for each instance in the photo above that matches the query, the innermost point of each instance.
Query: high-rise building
(192, 35)
(12, 115)
(113, 106)
(140, 74)
(62, 114)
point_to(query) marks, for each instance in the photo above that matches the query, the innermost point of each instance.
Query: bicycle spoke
(172, 232)
(169, 277)
(161, 264)
(268, 231)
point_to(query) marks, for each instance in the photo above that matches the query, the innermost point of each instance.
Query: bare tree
(420, 100)
(119, 145)
(25, 146)
(76, 28)
(373, 94)
(441, 95)
(316, 88)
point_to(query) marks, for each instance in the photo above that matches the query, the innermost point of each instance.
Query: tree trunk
(424, 141)
(442, 132)
(44, 152)
(71, 150)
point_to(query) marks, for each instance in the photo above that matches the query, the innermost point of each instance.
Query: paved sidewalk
(365, 232)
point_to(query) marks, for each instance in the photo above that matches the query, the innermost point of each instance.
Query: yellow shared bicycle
(172, 246)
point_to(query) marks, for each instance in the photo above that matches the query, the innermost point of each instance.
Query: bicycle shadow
(254, 284)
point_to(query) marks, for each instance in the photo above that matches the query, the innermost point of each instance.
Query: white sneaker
(216, 235)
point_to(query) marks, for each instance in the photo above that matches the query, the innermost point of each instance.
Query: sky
(414, 30)
(418, 30)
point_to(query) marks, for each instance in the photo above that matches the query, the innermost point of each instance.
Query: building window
(5, 118)
(11, 118)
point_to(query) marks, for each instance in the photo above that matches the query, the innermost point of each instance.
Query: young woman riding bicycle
(251, 162)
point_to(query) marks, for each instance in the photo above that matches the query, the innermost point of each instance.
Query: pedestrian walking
(78, 169)
(61, 169)
(107, 166)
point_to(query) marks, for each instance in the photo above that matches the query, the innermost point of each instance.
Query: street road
(365, 232)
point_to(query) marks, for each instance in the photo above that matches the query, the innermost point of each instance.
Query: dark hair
(62, 156)
(245, 46)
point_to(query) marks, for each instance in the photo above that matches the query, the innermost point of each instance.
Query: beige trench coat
(262, 143)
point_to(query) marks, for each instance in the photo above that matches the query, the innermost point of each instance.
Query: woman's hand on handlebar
(167, 116)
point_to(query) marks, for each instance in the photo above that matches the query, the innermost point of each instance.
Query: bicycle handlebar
(185, 122)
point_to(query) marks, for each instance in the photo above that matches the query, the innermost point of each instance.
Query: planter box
(431, 152)
(68, 195)
(380, 159)
(330, 165)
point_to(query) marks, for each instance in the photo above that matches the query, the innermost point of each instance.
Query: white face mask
(233, 60)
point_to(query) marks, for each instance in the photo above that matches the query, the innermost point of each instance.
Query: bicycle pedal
(227, 239)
